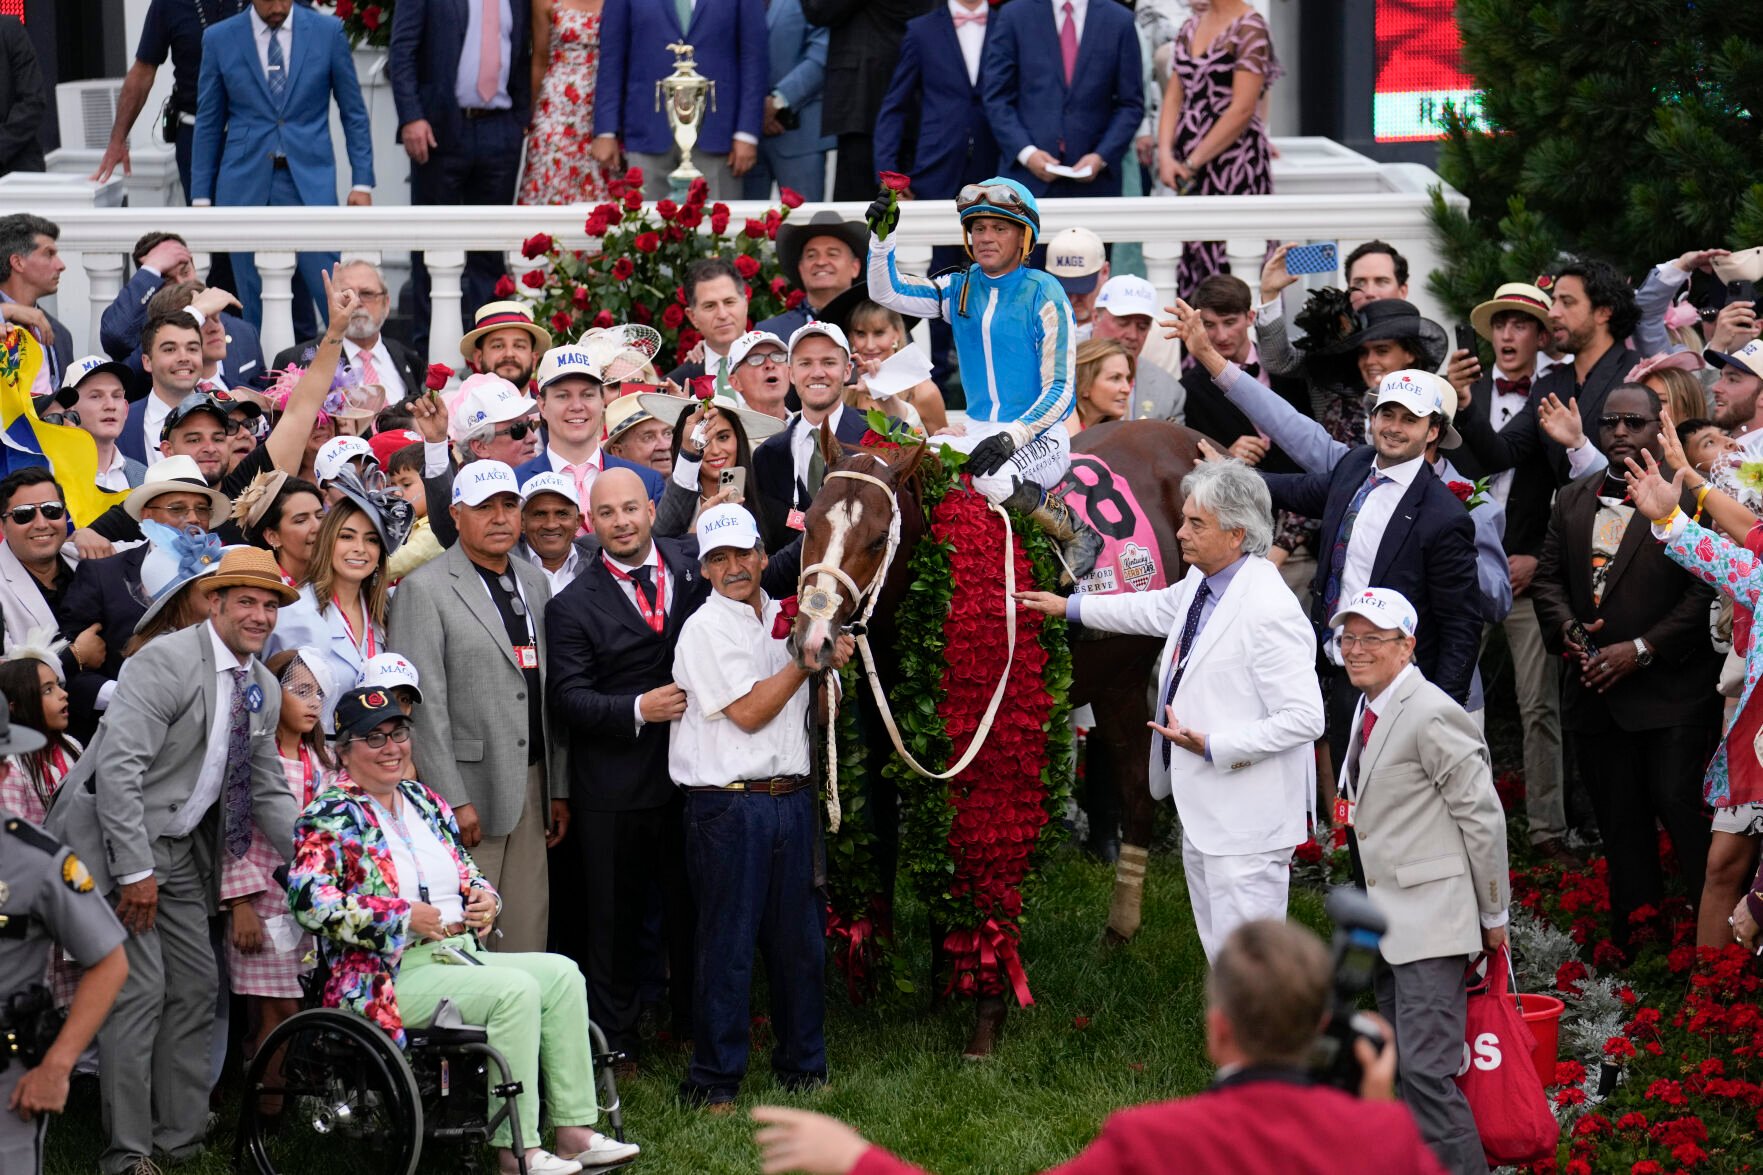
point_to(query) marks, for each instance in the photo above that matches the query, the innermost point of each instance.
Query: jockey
(1015, 339)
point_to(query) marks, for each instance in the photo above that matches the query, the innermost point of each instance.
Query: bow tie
(1253, 369)
(978, 18)
(1512, 387)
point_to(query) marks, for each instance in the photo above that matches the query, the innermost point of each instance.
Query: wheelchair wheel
(329, 1092)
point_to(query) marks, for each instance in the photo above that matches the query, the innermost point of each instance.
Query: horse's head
(849, 537)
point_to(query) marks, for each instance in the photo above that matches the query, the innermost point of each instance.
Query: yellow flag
(70, 452)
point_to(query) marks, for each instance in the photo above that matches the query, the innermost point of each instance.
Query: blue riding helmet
(1005, 199)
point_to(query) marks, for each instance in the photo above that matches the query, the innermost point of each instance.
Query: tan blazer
(1432, 834)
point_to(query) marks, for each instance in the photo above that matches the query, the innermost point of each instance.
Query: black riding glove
(990, 454)
(883, 214)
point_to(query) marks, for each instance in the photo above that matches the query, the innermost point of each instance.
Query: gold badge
(74, 875)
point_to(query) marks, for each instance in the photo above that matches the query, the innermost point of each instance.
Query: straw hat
(1520, 296)
(492, 316)
(251, 567)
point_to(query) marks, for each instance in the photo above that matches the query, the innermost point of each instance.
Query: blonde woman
(1105, 373)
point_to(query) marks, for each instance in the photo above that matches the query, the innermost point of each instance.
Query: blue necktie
(1189, 630)
(278, 69)
(1338, 562)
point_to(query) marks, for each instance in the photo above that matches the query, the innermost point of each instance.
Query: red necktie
(1068, 41)
(1365, 725)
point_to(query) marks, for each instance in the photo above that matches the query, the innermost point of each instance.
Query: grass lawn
(1110, 1027)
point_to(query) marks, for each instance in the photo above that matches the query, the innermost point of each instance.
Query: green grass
(897, 1073)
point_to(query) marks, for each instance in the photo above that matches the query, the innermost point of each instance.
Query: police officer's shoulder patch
(74, 875)
(31, 835)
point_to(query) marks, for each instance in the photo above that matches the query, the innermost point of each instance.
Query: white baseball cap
(550, 482)
(79, 369)
(1384, 607)
(745, 345)
(488, 399)
(1076, 257)
(561, 361)
(1422, 393)
(335, 454)
(1125, 295)
(391, 671)
(727, 525)
(1748, 358)
(819, 328)
(481, 480)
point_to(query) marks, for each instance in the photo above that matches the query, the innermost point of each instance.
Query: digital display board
(1419, 69)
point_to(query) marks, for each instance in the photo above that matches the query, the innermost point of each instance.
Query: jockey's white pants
(1042, 461)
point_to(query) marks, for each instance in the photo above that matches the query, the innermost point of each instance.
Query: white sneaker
(605, 1151)
(543, 1162)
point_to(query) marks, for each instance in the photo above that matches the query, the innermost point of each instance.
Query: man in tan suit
(1428, 844)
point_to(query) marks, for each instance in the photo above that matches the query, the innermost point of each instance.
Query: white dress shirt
(152, 423)
(260, 33)
(724, 651)
(422, 861)
(213, 774)
(383, 367)
(803, 440)
(1502, 408)
(566, 571)
(114, 478)
(971, 36)
(630, 593)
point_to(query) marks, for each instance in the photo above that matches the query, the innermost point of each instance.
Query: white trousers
(1043, 460)
(1229, 890)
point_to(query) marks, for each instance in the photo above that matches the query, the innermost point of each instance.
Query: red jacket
(1257, 1127)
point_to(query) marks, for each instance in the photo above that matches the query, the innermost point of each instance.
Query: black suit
(1644, 743)
(1523, 436)
(627, 817)
(1533, 480)
(24, 100)
(411, 368)
(1209, 412)
(860, 58)
(774, 472)
(106, 592)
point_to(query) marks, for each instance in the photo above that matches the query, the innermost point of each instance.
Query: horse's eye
(879, 543)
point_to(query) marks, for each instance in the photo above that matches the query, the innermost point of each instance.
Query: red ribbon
(983, 957)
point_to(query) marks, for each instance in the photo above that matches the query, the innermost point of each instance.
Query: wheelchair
(330, 1092)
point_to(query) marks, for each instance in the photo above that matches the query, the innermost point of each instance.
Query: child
(420, 545)
(37, 700)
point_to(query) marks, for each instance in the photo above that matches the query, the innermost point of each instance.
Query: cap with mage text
(488, 399)
(550, 482)
(336, 453)
(727, 525)
(77, 372)
(809, 329)
(481, 480)
(1076, 257)
(563, 361)
(1748, 358)
(1424, 394)
(750, 342)
(1126, 295)
(1384, 607)
(391, 671)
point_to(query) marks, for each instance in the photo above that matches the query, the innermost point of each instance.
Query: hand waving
(1653, 496)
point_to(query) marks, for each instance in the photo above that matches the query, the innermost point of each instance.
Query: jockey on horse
(1015, 339)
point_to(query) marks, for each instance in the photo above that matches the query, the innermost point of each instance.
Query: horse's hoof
(1105, 849)
(1113, 938)
(988, 1026)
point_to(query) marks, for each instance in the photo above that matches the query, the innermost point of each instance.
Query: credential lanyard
(654, 615)
(398, 826)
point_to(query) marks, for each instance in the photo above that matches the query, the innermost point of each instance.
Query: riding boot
(1079, 544)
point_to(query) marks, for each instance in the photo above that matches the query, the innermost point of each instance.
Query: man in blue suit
(1063, 87)
(793, 151)
(162, 260)
(263, 133)
(729, 37)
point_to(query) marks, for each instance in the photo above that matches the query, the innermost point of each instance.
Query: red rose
(786, 616)
(438, 375)
(746, 266)
(789, 197)
(1463, 489)
(641, 313)
(698, 192)
(533, 279)
(690, 217)
(894, 181)
(718, 222)
(505, 287)
(560, 322)
(673, 233)
(622, 269)
(755, 229)
(633, 201)
(634, 175)
(679, 295)
(794, 300)
(667, 209)
(772, 219)
(370, 17)
(596, 225)
(647, 242)
(702, 386)
(604, 319)
(672, 316)
(611, 213)
(536, 245)
(579, 297)
(779, 287)
(345, 9)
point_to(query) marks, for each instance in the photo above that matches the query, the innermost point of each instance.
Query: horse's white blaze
(842, 519)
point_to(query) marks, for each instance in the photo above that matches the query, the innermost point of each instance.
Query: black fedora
(793, 238)
(1396, 319)
(839, 310)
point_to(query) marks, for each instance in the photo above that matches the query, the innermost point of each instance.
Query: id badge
(1343, 812)
(796, 520)
(527, 655)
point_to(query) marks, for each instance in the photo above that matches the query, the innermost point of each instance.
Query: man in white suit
(1239, 695)
(1428, 844)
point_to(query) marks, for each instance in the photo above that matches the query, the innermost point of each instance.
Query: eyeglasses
(997, 196)
(507, 585)
(370, 295)
(1370, 644)
(518, 430)
(257, 426)
(25, 515)
(375, 739)
(761, 358)
(180, 513)
(1629, 420)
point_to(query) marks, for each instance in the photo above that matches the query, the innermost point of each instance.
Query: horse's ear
(832, 450)
(901, 471)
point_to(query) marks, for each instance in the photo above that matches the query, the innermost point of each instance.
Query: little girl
(30, 678)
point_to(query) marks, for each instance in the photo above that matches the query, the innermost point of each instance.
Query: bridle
(817, 603)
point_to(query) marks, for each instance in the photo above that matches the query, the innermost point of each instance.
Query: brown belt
(781, 785)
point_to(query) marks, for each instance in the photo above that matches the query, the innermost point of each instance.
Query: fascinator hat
(178, 558)
(390, 514)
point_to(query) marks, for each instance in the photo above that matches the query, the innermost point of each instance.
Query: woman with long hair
(1105, 371)
(36, 699)
(716, 436)
(877, 334)
(283, 515)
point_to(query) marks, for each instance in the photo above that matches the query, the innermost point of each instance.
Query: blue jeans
(751, 863)
(806, 174)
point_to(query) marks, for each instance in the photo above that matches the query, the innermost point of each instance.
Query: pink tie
(584, 481)
(978, 18)
(489, 59)
(369, 374)
(1068, 41)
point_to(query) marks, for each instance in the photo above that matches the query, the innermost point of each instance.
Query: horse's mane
(887, 455)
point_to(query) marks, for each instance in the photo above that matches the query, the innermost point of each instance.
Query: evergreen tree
(1630, 130)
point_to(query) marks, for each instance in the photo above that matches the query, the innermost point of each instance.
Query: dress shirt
(1079, 9)
(114, 477)
(49, 374)
(465, 81)
(971, 36)
(724, 651)
(629, 589)
(566, 571)
(421, 861)
(260, 37)
(1751, 441)
(596, 465)
(1374, 517)
(214, 764)
(803, 440)
(152, 423)
(390, 378)
(1502, 409)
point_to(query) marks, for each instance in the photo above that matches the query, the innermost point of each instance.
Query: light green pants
(535, 1009)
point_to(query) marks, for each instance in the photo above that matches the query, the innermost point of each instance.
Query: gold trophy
(685, 92)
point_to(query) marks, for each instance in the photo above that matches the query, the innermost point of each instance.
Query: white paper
(905, 368)
(282, 931)
(1070, 173)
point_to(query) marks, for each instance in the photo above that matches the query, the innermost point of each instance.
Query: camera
(1358, 927)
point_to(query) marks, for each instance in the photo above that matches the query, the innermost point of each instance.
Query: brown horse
(846, 542)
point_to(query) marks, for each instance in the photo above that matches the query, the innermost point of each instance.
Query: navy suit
(106, 592)
(1029, 103)
(119, 332)
(797, 158)
(774, 471)
(932, 124)
(730, 41)
(652, 481)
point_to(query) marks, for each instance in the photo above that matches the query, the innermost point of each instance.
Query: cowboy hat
(251, 567)
(176, 475)
(673, 409)
(793, 238)
(1520, 296)
(494, 316)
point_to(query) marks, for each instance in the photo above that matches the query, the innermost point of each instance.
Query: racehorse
(846, 543)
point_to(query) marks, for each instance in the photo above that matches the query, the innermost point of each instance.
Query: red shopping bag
(1511, 1110)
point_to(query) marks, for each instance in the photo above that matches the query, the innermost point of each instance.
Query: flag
(70, 452)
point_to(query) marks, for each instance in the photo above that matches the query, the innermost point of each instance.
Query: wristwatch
(1643, 656)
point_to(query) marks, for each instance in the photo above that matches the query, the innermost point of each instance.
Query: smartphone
(1321, 258)
(455, 956)
(1578, 635)
(1466, 339)
(1741, 291)
(733, 479)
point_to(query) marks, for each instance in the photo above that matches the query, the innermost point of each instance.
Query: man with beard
(379, 358)
(788, 466)
(1737, 406)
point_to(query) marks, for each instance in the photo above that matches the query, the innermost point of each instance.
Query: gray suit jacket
(472, 731)
(1157, 395)
(143, 763)
(1432, 834)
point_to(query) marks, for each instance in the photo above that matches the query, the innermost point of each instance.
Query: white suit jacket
(1251, 687)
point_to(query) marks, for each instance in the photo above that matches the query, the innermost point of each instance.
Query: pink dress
(271, 971)
(559, 169)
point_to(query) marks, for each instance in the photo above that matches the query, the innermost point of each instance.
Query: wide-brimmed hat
(624, 352)
(840, 309)
(493, 316)
(1520, 296)
(1396, 319)
(177, 558)
(793, 238)
(624, 413)
(673, 409)
(251, 567)
(176, 475)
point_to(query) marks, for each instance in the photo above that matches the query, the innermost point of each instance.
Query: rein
(818, 603)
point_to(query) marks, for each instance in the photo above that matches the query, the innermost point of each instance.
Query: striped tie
(1338, 563)
(278, 70)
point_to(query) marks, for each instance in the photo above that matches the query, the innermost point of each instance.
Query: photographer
(1267, 995)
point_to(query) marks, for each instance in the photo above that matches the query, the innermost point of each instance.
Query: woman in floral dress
(566, 56)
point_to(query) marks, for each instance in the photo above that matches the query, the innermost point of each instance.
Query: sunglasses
(24, 515)
(507, 585)
(1629, 420)
(375, 739)
(518, 430)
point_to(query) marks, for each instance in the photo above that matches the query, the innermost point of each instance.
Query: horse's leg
(1121, 715)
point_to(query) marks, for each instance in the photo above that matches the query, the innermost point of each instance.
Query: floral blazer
(343, 888)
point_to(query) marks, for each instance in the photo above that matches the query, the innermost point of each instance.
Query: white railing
(96, 241)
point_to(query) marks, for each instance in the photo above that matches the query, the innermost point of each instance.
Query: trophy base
(682, 176)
